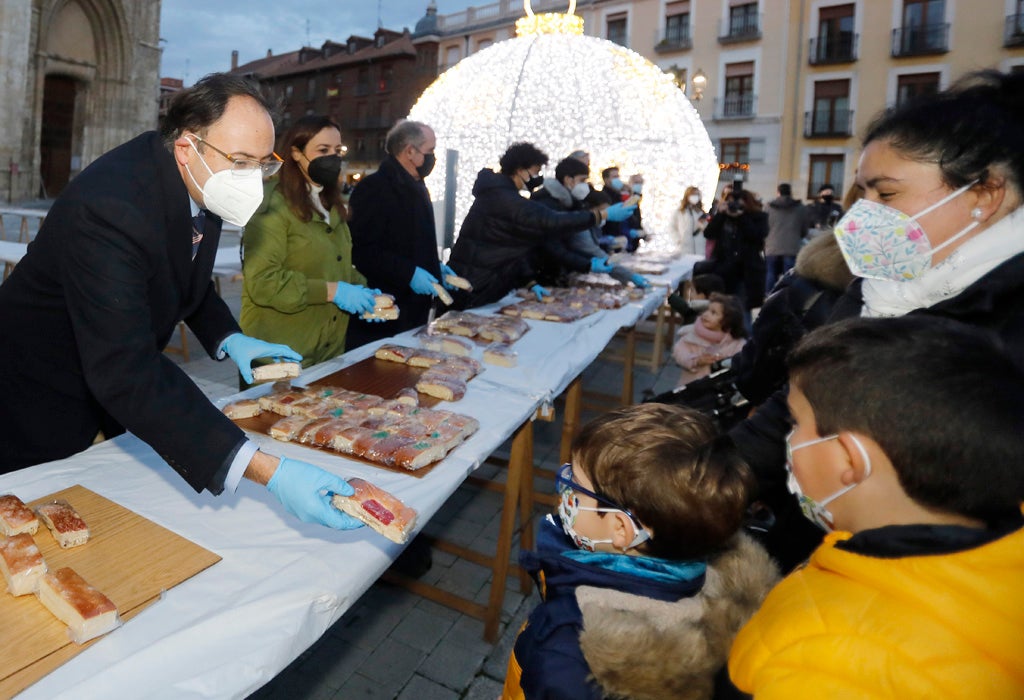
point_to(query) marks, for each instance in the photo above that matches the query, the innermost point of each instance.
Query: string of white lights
(567, 91)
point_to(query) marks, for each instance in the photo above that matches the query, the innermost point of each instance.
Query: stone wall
(110, 48)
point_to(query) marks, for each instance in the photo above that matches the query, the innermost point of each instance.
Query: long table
(282, 583)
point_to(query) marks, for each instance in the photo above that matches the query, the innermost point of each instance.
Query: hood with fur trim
(821, 261)
(557, 190)
(647, 649)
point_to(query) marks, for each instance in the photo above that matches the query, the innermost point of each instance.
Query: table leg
(522, 443)
(573, 407)
(658, 351)
(526, 540)
(627, 367)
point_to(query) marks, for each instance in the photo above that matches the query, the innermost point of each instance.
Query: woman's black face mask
(324, 170)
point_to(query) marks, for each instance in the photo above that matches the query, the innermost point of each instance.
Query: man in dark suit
(394, 242)
(125, 254)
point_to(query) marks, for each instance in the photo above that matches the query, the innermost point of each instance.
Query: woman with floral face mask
(939, 230)
(300, 285)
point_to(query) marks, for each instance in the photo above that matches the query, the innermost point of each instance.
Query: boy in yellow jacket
(908, 446)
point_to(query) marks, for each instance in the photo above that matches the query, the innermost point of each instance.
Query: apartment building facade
(785, 88)
(365, 84)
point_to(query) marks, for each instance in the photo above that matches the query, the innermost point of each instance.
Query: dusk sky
(198, 36)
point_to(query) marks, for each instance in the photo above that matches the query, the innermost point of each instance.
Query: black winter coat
(392, 224)
(86, 314)
(499, 235)
(995, 302)
(800, 302)
(738, 255)
(555, 255)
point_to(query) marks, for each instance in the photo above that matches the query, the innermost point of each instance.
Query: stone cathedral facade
(77, 77)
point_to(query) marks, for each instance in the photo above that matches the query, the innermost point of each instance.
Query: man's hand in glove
(244, 349)
(305, 491)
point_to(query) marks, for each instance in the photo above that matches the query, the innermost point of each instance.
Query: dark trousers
(777, 266)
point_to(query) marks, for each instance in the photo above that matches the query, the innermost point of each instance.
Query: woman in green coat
(300, 285)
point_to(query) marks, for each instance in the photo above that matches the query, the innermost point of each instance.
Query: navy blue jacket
(548, 650)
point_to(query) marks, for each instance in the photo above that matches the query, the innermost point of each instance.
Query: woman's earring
(976, 213)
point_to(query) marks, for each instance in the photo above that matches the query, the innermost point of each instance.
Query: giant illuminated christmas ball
(564, 91)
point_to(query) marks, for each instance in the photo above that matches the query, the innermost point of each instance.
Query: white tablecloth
(281, 583)
(11, 252)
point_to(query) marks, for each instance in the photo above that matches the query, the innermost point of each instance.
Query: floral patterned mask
(879, 242)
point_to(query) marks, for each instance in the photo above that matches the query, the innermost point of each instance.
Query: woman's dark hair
(570, 167)
(751, 202)
(196, 108)
(732, 314)
(292, 183)
(521, 156)
(969, 130)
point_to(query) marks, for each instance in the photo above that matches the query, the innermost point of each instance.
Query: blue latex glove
(540, 292)
(422, 282)
(445, 271)
(640, 281)
(354, 298)
(600, 265)
(635, 233)
(620, 212)
(244, 349)
(305, 491)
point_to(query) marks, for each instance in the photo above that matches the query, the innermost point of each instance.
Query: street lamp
(699, 81)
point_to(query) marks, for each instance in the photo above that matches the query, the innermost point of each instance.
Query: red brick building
(365, 84)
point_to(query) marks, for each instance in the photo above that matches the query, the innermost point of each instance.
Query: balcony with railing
(675, 39)
(828, 49)
(1013, 34)
(738, 106)
(920, 40)
(828, 123)
(739, 28)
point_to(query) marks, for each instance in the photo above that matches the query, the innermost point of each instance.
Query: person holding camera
(738, 230)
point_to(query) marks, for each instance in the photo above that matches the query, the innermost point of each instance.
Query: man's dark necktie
(198, 224)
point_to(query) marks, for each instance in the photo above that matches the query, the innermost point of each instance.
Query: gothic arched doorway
(56, 135)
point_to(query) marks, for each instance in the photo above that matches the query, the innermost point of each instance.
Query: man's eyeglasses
(564, 482)
(243, 166)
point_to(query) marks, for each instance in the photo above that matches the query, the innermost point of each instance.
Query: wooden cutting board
(129, 558)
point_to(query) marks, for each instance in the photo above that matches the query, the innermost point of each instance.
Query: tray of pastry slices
(82, 566)
(381, 410)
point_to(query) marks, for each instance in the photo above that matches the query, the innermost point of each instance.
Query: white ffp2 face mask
(234, 197)
(580, 191)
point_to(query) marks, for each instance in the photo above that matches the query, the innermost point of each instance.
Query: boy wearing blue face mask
(643, 574)
(907, 448)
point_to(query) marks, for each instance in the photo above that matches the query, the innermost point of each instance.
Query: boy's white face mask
(813, 510)
(569, 508)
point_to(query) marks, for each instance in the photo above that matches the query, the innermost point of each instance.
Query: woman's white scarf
(314, 197)
(965, 266)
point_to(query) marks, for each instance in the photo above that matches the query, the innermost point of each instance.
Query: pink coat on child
(696, 345)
